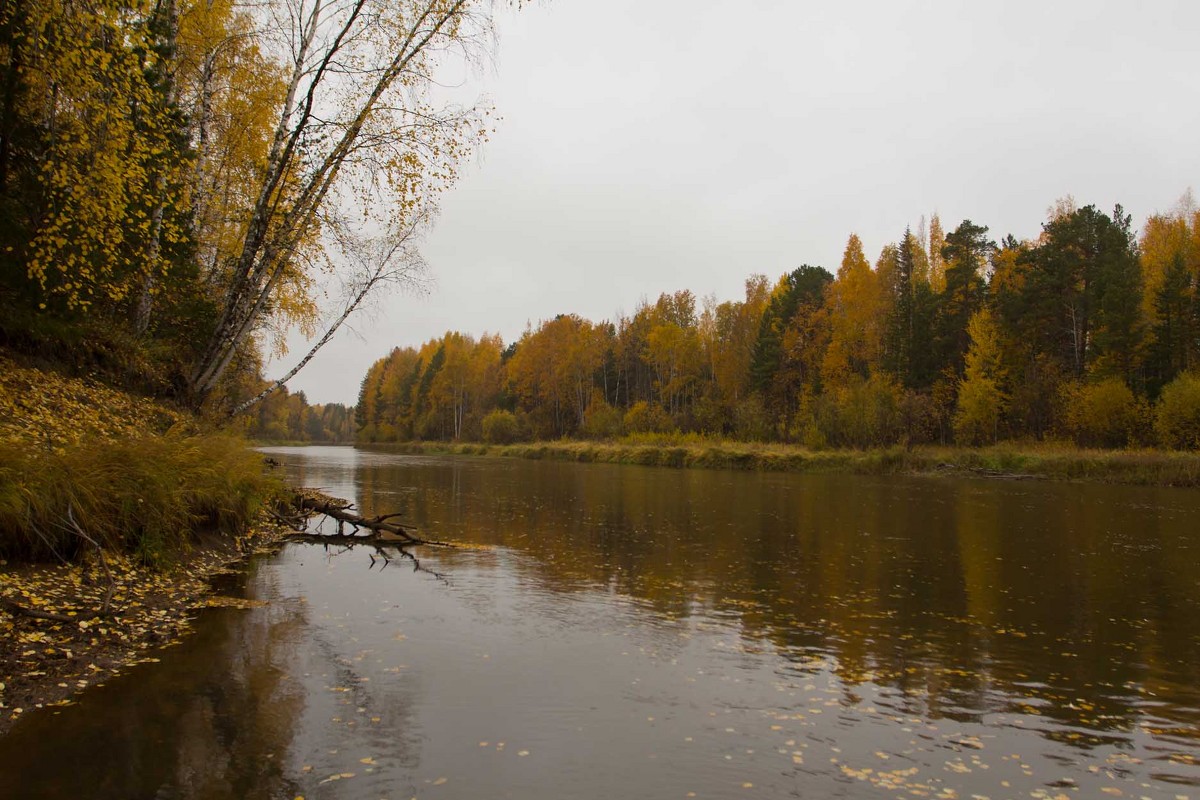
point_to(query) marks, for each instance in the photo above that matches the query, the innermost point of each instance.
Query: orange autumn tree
(1170, 268)
(856, 307)
(552, 372)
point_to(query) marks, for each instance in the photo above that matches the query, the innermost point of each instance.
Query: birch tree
(357, 127)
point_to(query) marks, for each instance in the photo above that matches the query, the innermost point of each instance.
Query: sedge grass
(148, 496)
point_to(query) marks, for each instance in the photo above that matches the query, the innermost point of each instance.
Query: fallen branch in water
(382, 528)
(387, 538)
(384, 552)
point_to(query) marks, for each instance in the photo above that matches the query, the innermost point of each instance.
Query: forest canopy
(1089, 331)
(195, 176)
(183, 181)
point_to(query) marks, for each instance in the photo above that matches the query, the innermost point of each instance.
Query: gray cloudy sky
(648, 146)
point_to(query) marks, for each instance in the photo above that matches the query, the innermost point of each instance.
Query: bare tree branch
(391, 259)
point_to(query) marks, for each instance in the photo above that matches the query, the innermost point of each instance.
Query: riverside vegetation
(169, 209)
(168, 193)
(115, 511)
(1072, 354)
(1053, 461)
(1087, 333)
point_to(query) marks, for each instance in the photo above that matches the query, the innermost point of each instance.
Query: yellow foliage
(48, 409)
(642, 417)
(857, 309)
(500, 427)
(108, 161)
(1177, 419)
(729, 337)
(937, 264)
(981, 396)
(1168, 239)
(1104, 414)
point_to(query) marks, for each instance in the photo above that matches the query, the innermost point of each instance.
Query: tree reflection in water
(1074, 602)
(797, 633)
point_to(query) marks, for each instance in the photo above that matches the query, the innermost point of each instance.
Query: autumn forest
(915, 509)
(1085, 332)
(184, 183)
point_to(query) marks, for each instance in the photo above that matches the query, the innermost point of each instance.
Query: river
(610, 631)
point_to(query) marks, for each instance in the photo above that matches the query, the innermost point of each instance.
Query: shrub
(751, 422)
(601, 421)
(921, 417)
(806, 426)
(977, 419)
(1177, 417)
(711, 417)
(866, 413)
(1104, 414)
(500, 427)
(643, 417)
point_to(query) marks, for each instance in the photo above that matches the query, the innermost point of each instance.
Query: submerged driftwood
(387, 537)
(382, 528)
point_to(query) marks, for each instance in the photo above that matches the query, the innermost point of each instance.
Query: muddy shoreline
(45, 663)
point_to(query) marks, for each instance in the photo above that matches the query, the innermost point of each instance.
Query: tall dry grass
(148, 496)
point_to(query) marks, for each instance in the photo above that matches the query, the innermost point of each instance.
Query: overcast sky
(648, 146)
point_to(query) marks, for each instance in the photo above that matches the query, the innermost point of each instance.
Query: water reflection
(631, 631)
(1076, 604)
(213, 719)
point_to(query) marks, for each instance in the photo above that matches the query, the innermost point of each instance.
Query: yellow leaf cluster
(47, 408)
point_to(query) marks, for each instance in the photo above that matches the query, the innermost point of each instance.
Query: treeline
(1089, 332)
(286, 417)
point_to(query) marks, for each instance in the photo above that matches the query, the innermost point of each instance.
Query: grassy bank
(149, 497)
(83, 463)
(115, 511)
(1050, 461)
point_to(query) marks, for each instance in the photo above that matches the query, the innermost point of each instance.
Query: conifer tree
(966, 255)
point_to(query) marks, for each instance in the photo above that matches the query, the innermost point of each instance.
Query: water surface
(623, 631)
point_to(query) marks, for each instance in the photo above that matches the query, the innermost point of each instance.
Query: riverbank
(116, 513)
(45, 661)
(1031, 461)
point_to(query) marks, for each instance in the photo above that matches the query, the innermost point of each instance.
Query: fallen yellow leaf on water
(439, 781)
(367, 760)
(339, 776)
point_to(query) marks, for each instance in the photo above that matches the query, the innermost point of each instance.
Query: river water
(634, 632)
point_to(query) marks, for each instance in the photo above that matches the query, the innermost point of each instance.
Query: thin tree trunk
(264, 257)
(333, 329)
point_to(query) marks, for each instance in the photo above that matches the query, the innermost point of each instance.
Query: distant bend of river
(615, 631)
